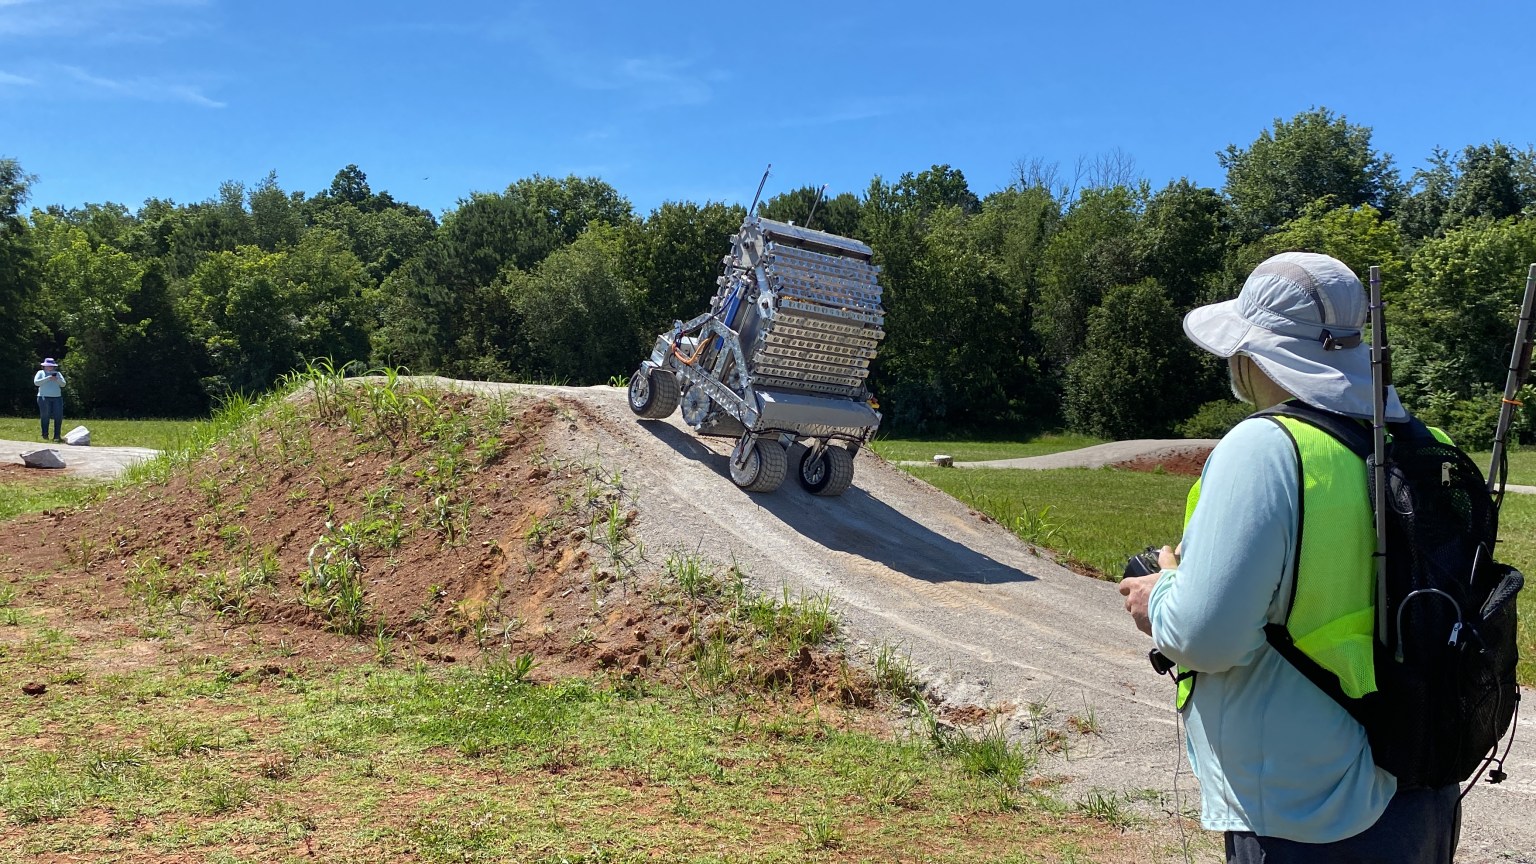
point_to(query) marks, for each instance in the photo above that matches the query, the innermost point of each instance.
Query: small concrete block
(42, 459)
(944, 460)
(78, 437)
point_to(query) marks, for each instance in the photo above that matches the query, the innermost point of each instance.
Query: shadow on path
(855, 522)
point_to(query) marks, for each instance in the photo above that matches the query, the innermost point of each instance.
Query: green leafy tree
(1313, 155)
(235, 302)
(1131, 379)
(382, 239)
(950, 334)
(1421, 212)
(673, 256)
(350, 186)
(18, 284)
(1358, 236)
(571, 204)
(192, 232)
(1182, 241)
(86, 300)
(1094, 250)
(441, 310)
(325, 289)
(577, 310)
(276, 217)
(1012, 232)
(1483, 181)
(1488, 186)
(1453, 325)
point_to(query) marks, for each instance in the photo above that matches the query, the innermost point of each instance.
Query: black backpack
(1445, 665)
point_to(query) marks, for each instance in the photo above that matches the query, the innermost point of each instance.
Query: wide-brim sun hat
(1301, 317)
(48, 361)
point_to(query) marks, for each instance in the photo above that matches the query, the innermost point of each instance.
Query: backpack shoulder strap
(1357, 438)
(1351, 433)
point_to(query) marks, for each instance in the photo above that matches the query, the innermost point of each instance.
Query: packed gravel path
(97, 463)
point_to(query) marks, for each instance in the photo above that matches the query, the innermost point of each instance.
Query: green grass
(1096, 516)
(203, 757)
(1517, 546)
(17, 498)
(1522, 465)
(156, 434)
(923, 449)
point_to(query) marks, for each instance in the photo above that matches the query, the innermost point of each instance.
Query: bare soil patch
(1187, 462)
(22, 475)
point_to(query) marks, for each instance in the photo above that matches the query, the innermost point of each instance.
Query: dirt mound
(1188, 462)
(380, 522)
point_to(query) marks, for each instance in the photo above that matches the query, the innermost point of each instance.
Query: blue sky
(121, 100)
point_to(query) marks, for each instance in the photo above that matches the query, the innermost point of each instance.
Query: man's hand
(1138, 590)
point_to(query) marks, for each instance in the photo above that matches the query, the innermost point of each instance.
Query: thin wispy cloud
(101, 21)
(7, 78)
(652, 80)
(846, 114)
(141, 89)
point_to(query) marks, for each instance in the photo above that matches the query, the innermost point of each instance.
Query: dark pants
(51, 407)
(1420, 826)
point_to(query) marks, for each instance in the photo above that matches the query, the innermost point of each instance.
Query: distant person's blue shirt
(1273, 754)
(48, 385)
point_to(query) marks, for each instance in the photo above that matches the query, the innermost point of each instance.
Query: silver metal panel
(782, 343)
(853, 268)
(794, 372)
(820, 329)
(802, 385)
(791, 359)
(781, 409)
(807, 235)
(805, 308)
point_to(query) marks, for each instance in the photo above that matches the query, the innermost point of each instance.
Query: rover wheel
(765, 467)
(653, 393)
(828, 473)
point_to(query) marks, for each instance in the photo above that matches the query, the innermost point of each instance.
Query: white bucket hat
(1300, 316)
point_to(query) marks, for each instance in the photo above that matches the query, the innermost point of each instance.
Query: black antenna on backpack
(1519, 373)
(1381, 378)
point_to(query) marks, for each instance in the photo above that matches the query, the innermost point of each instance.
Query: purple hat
(48, 361)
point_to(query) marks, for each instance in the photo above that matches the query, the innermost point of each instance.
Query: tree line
(1052, 303)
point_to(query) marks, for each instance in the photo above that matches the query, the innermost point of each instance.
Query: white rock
(42, 459)
(78, 436)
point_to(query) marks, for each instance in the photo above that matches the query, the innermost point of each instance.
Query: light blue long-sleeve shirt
(1273, 754)
(48, 385)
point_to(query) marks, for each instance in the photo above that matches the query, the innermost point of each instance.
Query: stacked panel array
(826, 322)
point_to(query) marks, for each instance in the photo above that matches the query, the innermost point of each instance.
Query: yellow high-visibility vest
(1332, 608)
